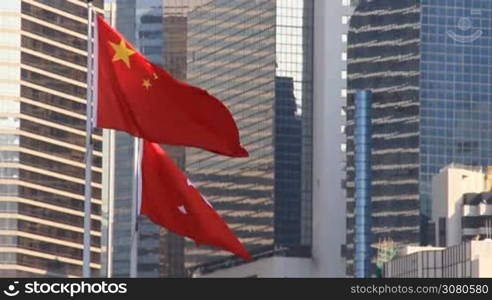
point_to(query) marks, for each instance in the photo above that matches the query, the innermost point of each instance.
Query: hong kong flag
(171, 200)
(144, 100)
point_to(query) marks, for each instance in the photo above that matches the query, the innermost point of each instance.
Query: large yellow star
(122, 52)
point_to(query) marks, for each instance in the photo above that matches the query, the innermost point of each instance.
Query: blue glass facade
(363, 182)
(428, 64)
(456, 91)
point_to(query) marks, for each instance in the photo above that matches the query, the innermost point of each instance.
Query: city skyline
(366, 123)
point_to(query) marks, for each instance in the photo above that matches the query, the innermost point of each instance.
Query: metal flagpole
(89, 146)
(112, 146)
(111, 197)
(137, 156)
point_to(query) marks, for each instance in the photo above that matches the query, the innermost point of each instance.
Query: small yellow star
(155, 76)
(122, 52)
(146, 84)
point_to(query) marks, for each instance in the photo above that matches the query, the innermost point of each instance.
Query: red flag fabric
(144, 100)
(170, 199)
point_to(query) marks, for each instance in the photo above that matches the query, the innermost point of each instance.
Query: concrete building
(43, 65)
(471, 259)
(462, 218)
(462, 208)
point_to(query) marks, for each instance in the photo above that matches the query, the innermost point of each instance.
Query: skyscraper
(257, 57)
(43, 65)
(428, 65)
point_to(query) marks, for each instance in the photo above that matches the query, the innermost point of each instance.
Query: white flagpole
(89, 146)
(112, 142)
(137, 183)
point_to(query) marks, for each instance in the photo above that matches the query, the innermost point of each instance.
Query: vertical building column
(363, 128)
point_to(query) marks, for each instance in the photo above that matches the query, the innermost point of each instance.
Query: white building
(462, 215)
(472, 259)
(330, 82)
(461, 204)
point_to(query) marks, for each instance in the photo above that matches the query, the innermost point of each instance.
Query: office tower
(43, 65)
(256, 56)
(330, 84)
(427, 64)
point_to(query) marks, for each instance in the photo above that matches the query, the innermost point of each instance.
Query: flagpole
(137, 156)
(89, 146)
(112, 146)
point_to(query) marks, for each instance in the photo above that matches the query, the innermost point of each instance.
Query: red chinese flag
(144, 100)
(170, 199)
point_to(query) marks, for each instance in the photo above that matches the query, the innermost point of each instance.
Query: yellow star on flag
(122, 52)
(146, 84)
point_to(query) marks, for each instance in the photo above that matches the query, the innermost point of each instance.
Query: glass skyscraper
(455, 89)
(428, 65)
(43, 65)
(256, 56)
